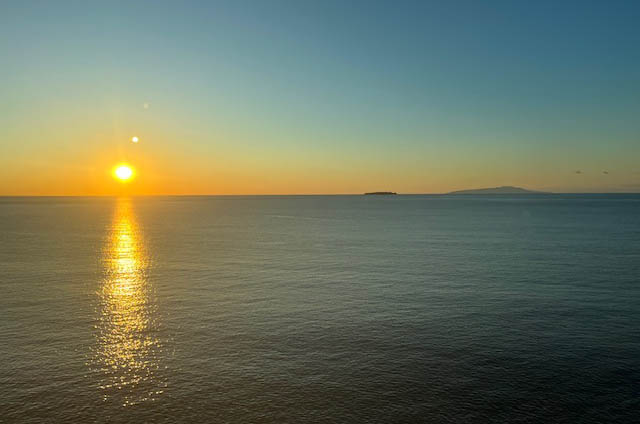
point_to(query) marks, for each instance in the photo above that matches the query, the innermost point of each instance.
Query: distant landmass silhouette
(381, 193)
(498, 190)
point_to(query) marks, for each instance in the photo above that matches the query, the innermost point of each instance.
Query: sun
(123, 172)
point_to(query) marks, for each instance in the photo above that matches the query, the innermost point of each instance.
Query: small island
(381, 193)
(498, 190)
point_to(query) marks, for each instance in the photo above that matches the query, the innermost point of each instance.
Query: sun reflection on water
(128, 353)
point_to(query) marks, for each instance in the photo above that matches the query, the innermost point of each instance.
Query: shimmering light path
(128, 354)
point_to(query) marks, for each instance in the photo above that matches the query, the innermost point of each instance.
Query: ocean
(320, 309)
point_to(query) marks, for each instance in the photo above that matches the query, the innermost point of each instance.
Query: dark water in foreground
(320, 309)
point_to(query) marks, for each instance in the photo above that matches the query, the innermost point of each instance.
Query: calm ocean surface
(320, 309)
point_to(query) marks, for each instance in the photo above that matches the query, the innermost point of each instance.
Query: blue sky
(345, 96)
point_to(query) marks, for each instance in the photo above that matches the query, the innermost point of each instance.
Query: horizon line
(316, 194)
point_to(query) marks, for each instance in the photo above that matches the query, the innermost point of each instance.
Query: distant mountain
(498, 190)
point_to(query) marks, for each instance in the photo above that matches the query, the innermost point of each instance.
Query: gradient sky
(319, 96)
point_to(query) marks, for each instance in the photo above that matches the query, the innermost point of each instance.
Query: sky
(310, 97)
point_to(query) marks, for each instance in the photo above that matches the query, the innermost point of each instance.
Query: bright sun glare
(123, 172)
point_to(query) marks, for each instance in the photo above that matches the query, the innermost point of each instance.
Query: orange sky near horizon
(159, 171)
(174, 157)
